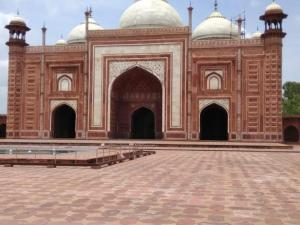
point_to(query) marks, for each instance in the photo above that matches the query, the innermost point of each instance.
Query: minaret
(190, 72)
(273, 37)
(16, 43)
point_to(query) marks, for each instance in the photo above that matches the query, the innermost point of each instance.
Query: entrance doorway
(136, 89)
(63, 124)
(143, 124)
(2, 131)
(291, 134)
(214, 123)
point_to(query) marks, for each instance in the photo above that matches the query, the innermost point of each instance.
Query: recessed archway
(2, 131)
(291, 134)
(63, 122)
(214, 123)
(134, 89)
(143, 124)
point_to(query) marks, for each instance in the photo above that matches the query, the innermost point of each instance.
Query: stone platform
(168, 188)
(153, 144)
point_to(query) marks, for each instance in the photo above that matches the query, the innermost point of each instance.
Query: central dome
(216, 26)
(150, 13)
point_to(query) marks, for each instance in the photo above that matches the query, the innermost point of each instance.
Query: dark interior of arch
(143, 124)
(214, 123)
(135, 89)
(64, 118)
(291, 134)
(2, 131)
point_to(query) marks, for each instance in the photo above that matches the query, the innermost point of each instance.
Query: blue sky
(61, 16)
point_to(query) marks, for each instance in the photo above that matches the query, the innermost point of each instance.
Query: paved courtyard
(182, 188)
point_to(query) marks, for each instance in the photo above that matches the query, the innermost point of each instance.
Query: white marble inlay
(221, 102)
(175, 49)
(155, 67)
(56, 103)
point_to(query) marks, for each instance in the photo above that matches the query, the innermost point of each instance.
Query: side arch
(63, 122)
(214, 124)
(291, 134)
(3, 130)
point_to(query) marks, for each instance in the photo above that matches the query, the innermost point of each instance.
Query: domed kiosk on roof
(216, 26)
(17, 19)
(150, 13)
(274, 8)
(77, 34)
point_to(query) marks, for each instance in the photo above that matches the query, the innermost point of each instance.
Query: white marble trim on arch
(203, 103)
(56, 103)
(175, 49)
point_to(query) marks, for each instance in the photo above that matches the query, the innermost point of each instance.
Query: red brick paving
(180, 188)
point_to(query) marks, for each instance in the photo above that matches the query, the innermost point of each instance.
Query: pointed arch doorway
(136, 102)
(214, 123)
(291, 134)
(143, 124)
(63, 122)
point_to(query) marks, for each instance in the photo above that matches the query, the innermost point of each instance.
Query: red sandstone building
(152, 78)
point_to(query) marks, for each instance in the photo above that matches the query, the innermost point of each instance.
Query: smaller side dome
(61, 41)
(216, 26)
(77, 34)
(274, 8)
(256, 34)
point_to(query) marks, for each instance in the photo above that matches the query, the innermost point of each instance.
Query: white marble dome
(256, 34)
(61, 42)
(77, 34)
(150, 13)
(274, 8)
(216, 26)
(17, 19)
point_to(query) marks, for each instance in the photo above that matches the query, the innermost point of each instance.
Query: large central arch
(134, 89)
(214, 123)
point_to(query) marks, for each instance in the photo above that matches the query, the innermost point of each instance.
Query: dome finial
(216, 5)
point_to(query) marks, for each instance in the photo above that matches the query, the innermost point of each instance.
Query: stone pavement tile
(207, 188)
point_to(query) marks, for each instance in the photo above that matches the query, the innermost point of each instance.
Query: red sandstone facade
(116, 72)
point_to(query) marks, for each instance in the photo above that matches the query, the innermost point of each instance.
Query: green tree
(291, 98)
